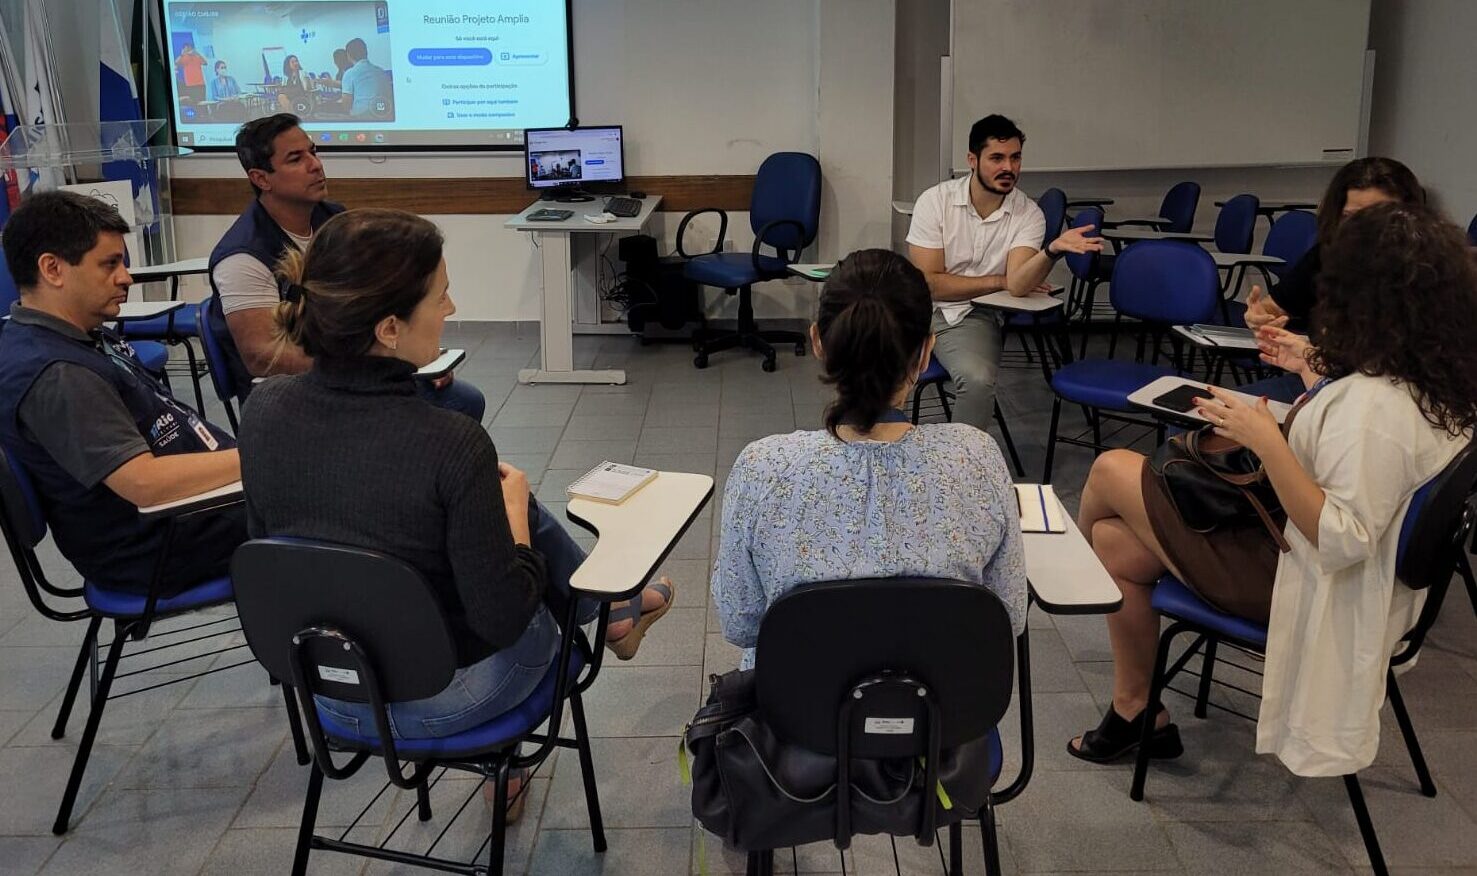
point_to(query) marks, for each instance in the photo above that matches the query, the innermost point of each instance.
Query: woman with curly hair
(1392, 398)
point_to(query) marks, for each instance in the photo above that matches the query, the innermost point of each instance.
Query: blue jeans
(459, 396)
(488, 688)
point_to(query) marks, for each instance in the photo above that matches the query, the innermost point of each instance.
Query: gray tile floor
(199, 777)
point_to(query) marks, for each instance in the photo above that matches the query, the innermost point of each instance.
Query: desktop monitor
(574, 157)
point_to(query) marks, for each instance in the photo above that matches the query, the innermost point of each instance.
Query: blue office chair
(1053, 204)
(169, 330)
(1441, 515)
(818, 685)
(215, 359)
(1162, 283)
(937, 377)
(23, 521)
(1176, 211)
(1292, 235)
(1089, 270)
(353, 624)
(784, 212)
(1236, 224)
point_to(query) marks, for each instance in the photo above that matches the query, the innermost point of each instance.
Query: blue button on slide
(594, 161)
(470, 57)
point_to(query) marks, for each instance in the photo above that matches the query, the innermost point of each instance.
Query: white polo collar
(961, 199)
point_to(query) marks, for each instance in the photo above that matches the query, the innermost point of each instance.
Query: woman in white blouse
(1392, 399)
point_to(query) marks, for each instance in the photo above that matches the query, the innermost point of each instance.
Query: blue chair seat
(508, 727)
(1172, 597)
(730, 270)
(1104, 383)
(185, 325)
(118, 603)
(934, 372)
(154, 356)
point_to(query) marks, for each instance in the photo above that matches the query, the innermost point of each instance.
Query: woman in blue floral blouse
(871, 495)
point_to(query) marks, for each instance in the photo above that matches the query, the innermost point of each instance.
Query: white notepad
(1040, 511)
(611, 482)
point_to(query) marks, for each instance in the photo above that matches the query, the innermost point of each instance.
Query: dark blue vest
(99, 532)
(256, 234)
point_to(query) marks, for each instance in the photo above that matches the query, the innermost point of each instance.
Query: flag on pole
(41, 103)
(118, 102)
(10, 89)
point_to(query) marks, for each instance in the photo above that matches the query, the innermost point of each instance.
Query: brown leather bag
(1213, 481)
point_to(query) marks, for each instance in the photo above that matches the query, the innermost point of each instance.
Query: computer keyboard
(626, 208)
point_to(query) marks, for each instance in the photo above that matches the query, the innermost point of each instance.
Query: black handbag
(1213, 481)
(759, 792)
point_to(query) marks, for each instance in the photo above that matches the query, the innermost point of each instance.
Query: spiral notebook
(1039, 509)
(611, 482)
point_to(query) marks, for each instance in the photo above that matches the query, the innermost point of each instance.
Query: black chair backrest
(1445, 516)
(23, 517)
(285, 586)
(817, 642)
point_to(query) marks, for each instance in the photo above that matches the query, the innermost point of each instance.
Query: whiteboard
(1135, 84)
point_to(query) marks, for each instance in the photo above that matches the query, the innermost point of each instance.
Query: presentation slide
(371, 74)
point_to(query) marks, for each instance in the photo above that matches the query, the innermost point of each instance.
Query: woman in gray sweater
(348, 453)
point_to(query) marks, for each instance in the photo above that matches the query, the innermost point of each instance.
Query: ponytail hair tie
(294, 293)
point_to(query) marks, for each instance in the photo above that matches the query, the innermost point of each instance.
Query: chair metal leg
(1207, 670)
(587, 771)
(1465, 568)
(990, 839)
(89, 734)
(956, 850)
(84, 655)
(423, 801)
(760, 863)
(1015, 458)
(1366, 827)
(1156, 693)
(1056, 415)
(295, 725)
(309, 821)
(497, 846)
(194, 376)
(1407, 730)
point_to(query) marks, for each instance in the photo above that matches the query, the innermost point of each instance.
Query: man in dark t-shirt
(98, 434)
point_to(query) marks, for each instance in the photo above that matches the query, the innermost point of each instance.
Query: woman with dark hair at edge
(1361, 183)
(870, 495)
(1391, 398)
(349, 453)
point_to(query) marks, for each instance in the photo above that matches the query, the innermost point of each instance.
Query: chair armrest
(783, 253)
(210, 500)
(1155, 222)
(722, 230)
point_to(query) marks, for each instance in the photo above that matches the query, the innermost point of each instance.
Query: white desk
(1066, 577)
(1144, 396)
(1133, 235)
(151, 273)
(1226, 260)
(813, 271)
(216, 498)
(903, 208)
(1216, 343)
(145, 309)
(636, 535)
(1036, 302)
(1089, 201)
(556, 336)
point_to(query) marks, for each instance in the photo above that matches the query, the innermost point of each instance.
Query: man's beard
(989, 188)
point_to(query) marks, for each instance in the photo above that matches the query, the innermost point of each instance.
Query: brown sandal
(625, 647)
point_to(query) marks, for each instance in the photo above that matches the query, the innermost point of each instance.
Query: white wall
(1422, 113)
(713, 89)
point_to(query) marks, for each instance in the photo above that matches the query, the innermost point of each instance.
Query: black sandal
(1116, 737)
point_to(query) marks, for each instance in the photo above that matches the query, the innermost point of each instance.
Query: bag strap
(1267, 521)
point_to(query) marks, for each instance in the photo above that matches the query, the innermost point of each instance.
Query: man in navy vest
(282, 164)
(98, 434)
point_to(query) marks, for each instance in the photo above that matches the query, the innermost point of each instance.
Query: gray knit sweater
(347, 453)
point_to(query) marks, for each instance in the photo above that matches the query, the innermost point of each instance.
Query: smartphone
(1182, 398)
(448, 360)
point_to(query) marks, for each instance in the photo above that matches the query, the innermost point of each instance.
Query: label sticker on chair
(342, 676)
(888, 726)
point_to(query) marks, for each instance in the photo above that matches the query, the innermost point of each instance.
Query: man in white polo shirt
(973, 236)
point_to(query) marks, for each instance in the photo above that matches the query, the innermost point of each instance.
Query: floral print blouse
(807, 507)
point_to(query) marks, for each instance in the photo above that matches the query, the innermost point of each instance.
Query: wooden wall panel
(201, 196)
